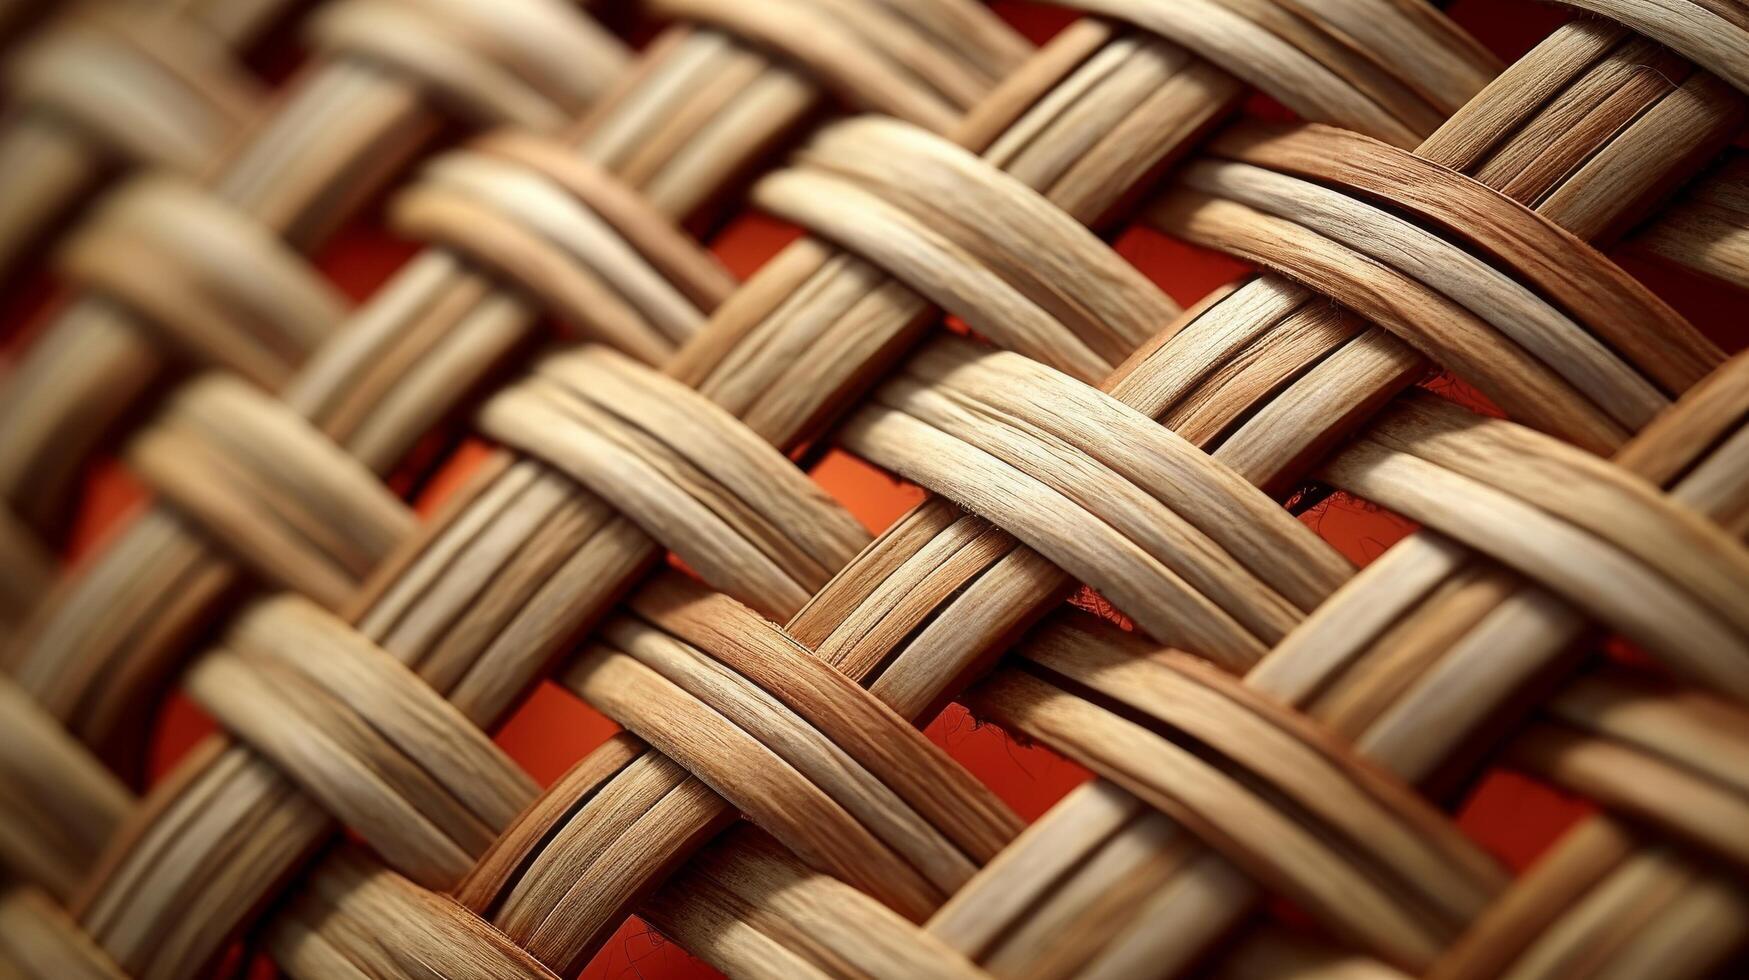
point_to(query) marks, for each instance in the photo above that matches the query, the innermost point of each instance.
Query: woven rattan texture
(1277, 738)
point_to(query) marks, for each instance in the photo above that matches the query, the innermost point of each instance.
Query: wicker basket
(561, 441)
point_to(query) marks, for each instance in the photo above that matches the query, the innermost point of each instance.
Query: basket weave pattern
(1268, 723)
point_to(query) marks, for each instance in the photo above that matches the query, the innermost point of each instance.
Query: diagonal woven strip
(1275, 736)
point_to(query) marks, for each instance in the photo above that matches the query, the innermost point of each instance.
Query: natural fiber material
(1276, 736)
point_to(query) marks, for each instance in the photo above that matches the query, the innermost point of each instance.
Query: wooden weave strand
(1269, 722)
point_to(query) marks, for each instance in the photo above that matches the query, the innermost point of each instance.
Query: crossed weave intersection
(1277, 724)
